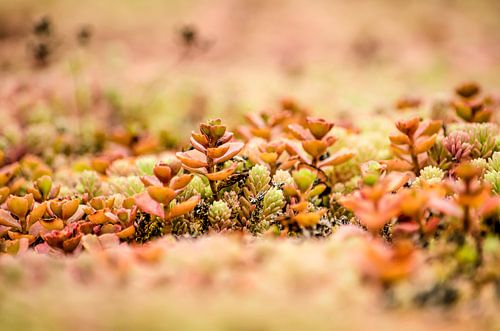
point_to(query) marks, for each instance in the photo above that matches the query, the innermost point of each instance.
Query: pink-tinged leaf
(233, 150)
(428, 128)
(150, 181)
(337, 158)
(201, 171)
(223, 174)
(294, 149)
(148, 205)
(406, 227)
(43, 248)
(76, 216)
(299, 132)
(197, 145)
(396, 180)
(491, 205)
(445, 206)
(7, 220)
(225, 138)
(192, 158)
(95, 244)
(255, 119)
(112, 218)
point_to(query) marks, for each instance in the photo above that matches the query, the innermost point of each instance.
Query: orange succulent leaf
(163, 172)
(71, 244)
(18, 206)
(429, 128)
(180, 182)
(199, 138)
(233, 150)
(56, 224)
(264, 133)
(400, 150)
(408, 126)
(397, 165)
(223, 174)
(126, 233)
(315, 148)
(98, 217)
(388, 263)
(319, 127)
(269, 157)
(68, 208)
(161, 194)
(16, 236)
(482, 115)
(184, 207)
(424, 144)
(216, 152)
(337, 158)
(192, 158)
(309, 219)
(288, 163)
(145, 203)
(299, 207)
(399, 139)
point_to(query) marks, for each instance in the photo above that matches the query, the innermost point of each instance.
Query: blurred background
(224, 57)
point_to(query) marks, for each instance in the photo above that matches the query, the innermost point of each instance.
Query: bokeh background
(182, 61)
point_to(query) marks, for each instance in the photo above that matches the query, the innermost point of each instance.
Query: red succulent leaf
(145, 203)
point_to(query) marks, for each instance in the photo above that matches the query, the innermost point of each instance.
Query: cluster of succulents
(430, 190)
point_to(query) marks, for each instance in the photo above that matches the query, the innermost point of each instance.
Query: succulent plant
(374, 205)
(314, 143)
(219, 216)
(429, 176)
(411, 144)
(212, 147)
(300, 193)
(492, 174)
(162, 189)
(89, 183)
(470, 105)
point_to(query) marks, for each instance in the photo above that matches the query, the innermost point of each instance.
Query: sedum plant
(161, 192)
(314, 143)
(212, 148)
(470, 105)
(411, 144)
